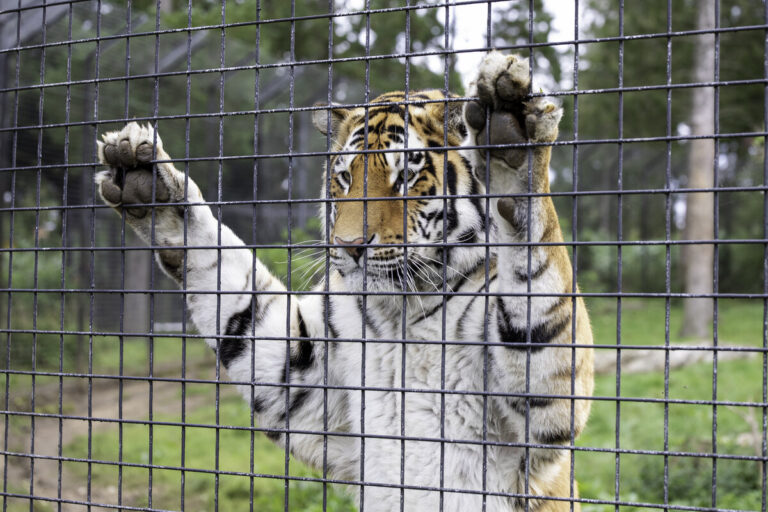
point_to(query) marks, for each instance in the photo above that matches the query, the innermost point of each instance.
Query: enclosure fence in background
(112, 399)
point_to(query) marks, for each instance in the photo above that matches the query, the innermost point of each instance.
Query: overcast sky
(472, 21)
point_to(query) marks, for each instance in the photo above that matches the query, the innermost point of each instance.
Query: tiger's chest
(428, 381)
(433, 372)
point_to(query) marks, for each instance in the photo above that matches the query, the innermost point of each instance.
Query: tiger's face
(419, 202)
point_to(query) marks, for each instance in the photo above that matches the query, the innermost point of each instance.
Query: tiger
(446, 362)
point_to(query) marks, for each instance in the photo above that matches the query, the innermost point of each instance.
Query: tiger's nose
(353, 247)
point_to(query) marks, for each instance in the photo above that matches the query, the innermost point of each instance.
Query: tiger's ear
(323, 121)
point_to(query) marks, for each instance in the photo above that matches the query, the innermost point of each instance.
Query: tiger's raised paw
(503, 90)
(132, 180)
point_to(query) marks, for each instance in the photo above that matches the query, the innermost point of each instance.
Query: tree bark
(138, 266)
(698, 259)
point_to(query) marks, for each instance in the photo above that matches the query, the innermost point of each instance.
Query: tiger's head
(420, 205)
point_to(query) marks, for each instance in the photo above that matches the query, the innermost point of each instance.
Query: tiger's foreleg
(537, 316)
(233, 299)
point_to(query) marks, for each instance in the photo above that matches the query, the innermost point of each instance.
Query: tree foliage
(643, 109)
(246, 75)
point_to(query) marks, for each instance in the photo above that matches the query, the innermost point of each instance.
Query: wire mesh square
(456, 374)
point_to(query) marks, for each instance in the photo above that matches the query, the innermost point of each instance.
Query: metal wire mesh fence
(411, 388)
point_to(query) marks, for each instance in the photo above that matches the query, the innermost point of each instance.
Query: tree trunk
(698, 259)
(138, 266)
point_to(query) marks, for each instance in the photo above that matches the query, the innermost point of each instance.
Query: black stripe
(328, 302)
(230, 350)
(518, 404)
(239, 322)
(460, 323)
(415, 158)
(450, 177)
(463, 278)
(369, 325)
(429, 165)
(529, 504)
(304, 357)
(332, 329)
(299, 361)
(558, 304)
(258, 404)
(522, 275)
(237, 325)
(302, 325)
(372, 327)
(554, 437)
(540, 334)
(428, 169)
(299, 399)
(338, 181)
(462, 129)
(431, 215)
(467, 237)
(474, 192)
(436, 308)
(452, 217)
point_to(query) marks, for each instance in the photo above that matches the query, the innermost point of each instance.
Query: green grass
(166, 353)
(690, 430)
(690, 426)
(200, 452)
(643, 321)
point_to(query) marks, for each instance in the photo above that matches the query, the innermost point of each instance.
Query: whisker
(440, 264)
(412, 286)
(428, 268)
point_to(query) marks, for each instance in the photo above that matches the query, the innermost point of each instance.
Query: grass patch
(642, 427)
(165, 352)
(643, 321)
(201, 452)
(14, 504)
(690, 426)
